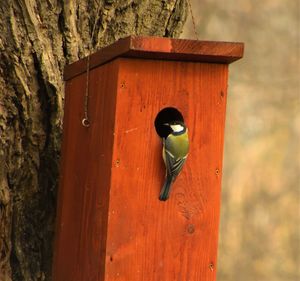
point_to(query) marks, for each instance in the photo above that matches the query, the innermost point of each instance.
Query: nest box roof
(160, 48)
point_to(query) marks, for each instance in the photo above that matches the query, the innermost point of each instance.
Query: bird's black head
(175, 127)
(175, 122)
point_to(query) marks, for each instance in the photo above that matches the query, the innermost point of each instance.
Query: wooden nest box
(110, 224)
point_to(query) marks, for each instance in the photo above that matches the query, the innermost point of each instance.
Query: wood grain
(85, 178)
(161, 48)
(111, 225)
(148, 239)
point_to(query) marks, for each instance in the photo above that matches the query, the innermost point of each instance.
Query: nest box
(110, 224)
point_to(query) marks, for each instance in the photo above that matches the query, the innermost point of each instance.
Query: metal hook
(85, 122)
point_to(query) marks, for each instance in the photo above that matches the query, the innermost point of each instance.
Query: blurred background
(260, 219)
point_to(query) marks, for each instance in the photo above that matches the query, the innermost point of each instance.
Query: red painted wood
(85, 178)
(110, 224)
(161, 48)
(174, 240)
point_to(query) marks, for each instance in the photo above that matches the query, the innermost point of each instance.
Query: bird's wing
(173, 165)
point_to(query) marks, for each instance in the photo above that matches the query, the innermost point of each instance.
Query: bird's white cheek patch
(177, 128)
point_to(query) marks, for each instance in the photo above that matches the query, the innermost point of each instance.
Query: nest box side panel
(85, 177)
(174, 240)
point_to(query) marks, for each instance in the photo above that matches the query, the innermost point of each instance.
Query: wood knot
(191, 229)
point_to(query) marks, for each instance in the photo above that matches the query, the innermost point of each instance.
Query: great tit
(175, 151)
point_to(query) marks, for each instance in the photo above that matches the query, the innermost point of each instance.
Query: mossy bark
(37, 39)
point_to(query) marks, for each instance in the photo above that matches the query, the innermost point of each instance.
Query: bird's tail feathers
(164, 194)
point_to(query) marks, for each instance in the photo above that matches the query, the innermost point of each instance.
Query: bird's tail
(164, 194)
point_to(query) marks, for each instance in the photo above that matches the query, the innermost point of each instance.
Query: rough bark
(37, 39)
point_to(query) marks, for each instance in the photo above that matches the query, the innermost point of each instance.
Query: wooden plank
(85, 178)
(150, 240)
(160, 48)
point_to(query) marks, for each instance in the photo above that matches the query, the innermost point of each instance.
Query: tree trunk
(37, 39)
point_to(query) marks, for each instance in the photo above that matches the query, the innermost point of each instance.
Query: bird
(175, 151)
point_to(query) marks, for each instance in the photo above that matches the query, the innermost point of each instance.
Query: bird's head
(175, 126)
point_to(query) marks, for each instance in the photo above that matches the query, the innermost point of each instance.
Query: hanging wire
(85, 120)
(193, 19)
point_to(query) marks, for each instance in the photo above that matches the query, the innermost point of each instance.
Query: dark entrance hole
(166, 115)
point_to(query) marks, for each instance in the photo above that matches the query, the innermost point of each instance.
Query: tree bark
(37, 39)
